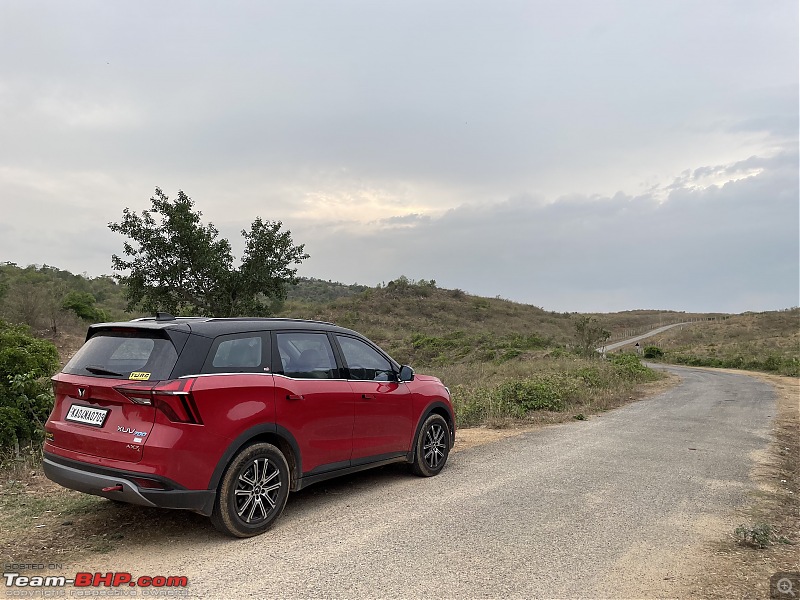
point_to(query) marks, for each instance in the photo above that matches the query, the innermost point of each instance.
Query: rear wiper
(101, 371)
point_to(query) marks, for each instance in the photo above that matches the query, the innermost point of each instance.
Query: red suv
(226, 416)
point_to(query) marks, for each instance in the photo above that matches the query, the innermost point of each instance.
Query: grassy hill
(502, 359)
(768, 341)
(417, 321)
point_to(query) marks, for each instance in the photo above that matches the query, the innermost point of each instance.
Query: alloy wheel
(257, 489)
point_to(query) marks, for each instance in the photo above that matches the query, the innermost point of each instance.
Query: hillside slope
(417, 321)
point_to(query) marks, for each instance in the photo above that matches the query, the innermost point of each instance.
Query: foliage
(590, 334)
(25, 396)
(403, 286)
(309, 289)
(631, 367)
(541, 392)
(83, 305)
(653, 352)
(500, 392)
(48, 299)
(767, 341)
(789, 366)
(457, 345)
(757, 535)
(179, 265)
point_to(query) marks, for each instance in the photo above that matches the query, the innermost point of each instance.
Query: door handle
(294, 397)
(367, 397)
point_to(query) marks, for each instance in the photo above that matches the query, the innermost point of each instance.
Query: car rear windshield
(136, 355)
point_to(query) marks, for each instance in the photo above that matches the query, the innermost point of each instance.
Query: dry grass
(756, 341)
(480, 391)
(391, 316)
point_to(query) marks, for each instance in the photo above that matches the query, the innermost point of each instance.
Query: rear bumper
(90, 479)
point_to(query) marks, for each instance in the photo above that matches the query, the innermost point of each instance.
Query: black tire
(253, 492)
(432, 447)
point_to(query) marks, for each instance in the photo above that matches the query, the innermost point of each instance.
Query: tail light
(61, 388)
(173, 398)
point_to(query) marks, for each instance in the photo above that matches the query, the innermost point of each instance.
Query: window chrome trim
(307, 378)
(223, 374)
(285, 377)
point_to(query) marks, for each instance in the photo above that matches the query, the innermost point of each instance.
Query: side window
(306, 355)
(364, 362)
(242, 353)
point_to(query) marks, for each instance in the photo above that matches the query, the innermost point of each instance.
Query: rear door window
(239, 353)
(136, 355)
(307, 355)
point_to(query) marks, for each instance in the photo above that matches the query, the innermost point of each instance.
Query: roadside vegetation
(500, 395)
(768, 341)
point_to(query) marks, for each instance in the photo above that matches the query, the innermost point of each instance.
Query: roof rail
(162, 316)
(270, 319)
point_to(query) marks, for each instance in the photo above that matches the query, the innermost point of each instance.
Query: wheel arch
(271, 434)
(439, 408)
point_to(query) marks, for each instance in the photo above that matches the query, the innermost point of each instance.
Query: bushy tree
(653, 352)
(34, 297)
(177, 264)
(590, 334)
(83, 305)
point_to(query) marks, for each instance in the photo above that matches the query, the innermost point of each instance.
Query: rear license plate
(87, 415)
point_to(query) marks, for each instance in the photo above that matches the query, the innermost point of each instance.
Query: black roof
(212, 327)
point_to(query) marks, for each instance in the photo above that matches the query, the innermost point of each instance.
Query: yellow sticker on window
(139, 376)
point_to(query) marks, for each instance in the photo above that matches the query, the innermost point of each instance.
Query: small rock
(67, 523)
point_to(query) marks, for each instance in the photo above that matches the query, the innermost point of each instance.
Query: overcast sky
(585, 155)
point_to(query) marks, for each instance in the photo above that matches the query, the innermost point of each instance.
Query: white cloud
(702, 248)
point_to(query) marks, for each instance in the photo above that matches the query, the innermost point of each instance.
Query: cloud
(702, 248)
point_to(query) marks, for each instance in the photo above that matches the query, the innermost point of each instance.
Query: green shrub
(25, 395)
(509, 354)
(630, 367)
(590, 377)
(653, 352)
(772, 363)
(789, 366)
(83, 305)
(481, 406)
(542, 392)
(757, 535)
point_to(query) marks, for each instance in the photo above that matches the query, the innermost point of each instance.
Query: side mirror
(406, 373)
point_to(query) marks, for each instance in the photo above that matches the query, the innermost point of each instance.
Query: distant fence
(630, 332)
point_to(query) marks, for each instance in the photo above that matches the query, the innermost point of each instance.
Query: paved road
(638, 338)
(617, 506)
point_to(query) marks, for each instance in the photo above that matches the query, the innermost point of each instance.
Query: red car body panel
(182, 432)
(318, 413)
